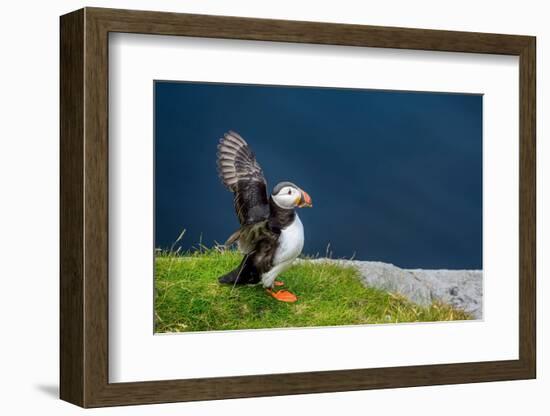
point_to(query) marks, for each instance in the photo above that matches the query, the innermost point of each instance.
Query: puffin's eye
(289, 191)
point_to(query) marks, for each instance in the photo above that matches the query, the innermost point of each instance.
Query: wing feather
(242, 174)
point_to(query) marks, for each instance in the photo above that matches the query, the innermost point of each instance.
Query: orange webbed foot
(278, 283)
(283, 295)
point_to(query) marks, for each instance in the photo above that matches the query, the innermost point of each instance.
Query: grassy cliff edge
(188, 297)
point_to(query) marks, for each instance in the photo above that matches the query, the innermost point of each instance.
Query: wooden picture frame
(84, 207)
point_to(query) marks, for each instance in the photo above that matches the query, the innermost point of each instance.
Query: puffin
(271, 235)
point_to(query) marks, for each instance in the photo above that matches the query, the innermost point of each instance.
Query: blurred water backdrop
(394, 176)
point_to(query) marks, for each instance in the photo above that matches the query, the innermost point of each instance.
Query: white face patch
(287, 198)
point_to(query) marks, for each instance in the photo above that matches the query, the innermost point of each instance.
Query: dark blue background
(394, 176)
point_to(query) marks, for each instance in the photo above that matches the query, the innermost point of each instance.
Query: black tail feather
(245, 274)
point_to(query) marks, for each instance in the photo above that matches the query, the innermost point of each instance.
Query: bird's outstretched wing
(241, 174)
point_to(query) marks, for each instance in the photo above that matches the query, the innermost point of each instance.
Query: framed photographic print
(255, 207)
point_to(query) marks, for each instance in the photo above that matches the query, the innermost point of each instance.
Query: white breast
(291, 242)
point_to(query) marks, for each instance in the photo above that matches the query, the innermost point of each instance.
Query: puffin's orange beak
(305, 200)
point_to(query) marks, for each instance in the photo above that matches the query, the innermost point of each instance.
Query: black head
(289, 196)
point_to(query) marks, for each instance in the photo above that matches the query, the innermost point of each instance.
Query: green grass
(188, 297)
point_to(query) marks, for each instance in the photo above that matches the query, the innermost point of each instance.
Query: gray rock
(462, 289)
